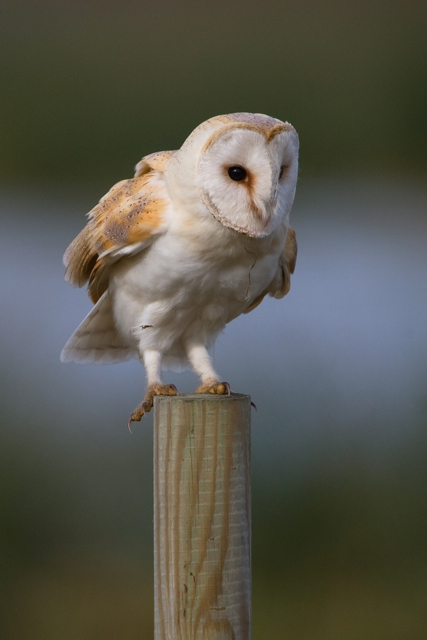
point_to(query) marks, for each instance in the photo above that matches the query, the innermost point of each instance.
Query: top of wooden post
(190, 397)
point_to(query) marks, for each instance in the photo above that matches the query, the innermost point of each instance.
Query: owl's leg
(152, 362)
(199, 357)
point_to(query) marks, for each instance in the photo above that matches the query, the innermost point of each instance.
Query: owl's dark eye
(281, 171)
(237, 173)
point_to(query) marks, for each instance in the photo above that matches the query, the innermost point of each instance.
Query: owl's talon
(218, 388)
(141, 410)
(167, 390)
(147, 404)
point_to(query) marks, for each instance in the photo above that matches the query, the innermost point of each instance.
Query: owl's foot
(221, 388)
(147, 404)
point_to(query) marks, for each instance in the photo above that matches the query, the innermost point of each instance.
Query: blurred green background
(338, 370)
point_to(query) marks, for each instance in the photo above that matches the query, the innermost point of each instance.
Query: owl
(197, 237)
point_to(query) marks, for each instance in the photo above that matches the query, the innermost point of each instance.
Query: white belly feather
(170, 293)
(181, 289)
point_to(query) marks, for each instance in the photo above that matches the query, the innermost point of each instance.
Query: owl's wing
(281, 283)
(125, 221)
(287, 263)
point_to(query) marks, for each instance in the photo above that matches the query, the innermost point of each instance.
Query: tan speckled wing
(122, 223)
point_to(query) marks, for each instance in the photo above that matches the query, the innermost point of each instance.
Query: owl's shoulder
(154, 162)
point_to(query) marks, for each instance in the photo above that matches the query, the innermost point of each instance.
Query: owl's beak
(261, 213)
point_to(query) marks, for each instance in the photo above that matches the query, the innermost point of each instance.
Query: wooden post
(202, 517)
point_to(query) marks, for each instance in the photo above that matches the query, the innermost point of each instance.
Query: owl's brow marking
(267, 126)
(274, 131)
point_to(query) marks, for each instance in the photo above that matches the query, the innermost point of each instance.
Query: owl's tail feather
(96, 340)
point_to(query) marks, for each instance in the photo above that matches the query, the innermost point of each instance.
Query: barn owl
(196, 238)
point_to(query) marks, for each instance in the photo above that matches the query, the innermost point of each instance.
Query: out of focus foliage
(339, 554)
(87, 88)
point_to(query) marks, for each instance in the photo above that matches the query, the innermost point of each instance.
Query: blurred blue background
(338, 369)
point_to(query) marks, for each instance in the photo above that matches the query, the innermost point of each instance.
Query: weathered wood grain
(202, 517)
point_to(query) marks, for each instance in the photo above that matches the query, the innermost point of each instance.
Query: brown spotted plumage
(128, 214)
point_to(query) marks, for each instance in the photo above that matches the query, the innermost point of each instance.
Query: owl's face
(245, 168)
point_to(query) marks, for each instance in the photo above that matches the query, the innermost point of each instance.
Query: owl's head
(243, 167)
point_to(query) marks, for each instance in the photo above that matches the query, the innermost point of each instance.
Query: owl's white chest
(189, 284)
